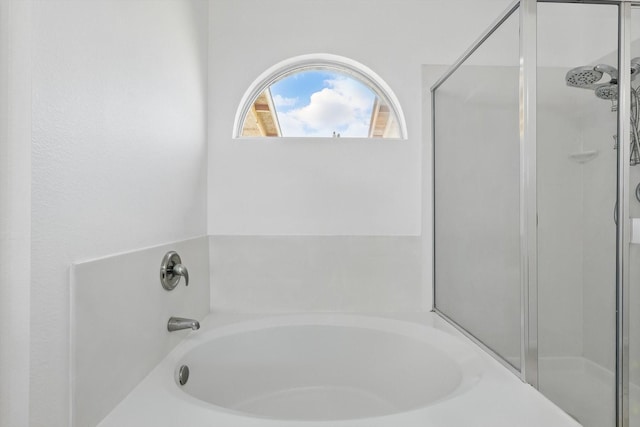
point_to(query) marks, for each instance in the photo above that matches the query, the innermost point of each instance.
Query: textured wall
(119, 153)
(15, 210)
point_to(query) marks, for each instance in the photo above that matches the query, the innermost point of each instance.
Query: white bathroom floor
(498, 398)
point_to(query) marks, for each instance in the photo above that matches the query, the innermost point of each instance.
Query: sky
(316, 103)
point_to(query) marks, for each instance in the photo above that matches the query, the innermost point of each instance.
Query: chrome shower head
(587, 77)
(607, 91)
(583, 77)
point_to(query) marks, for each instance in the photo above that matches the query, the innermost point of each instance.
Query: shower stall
(536, 183)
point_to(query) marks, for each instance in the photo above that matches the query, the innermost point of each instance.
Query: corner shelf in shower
(584, 156)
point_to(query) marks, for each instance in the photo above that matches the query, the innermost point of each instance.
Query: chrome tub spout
(179, 323)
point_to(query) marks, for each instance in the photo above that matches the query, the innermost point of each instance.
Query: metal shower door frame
(623, 228)
(513, 8)
(528, 371)
(528, 191)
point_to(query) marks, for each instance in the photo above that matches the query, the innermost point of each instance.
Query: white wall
(320, 191)
(15, 210)
(119, 153)
(326, 187)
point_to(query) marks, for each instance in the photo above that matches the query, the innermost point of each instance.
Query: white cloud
(281, 101)
(344, 106)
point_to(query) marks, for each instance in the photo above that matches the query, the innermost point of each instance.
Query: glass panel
(477, 157)
(323, 103)
(576, 194)
(634, 253)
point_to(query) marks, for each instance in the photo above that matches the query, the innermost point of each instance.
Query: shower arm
(604, 68)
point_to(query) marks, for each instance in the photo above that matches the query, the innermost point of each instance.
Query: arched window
(319, 95)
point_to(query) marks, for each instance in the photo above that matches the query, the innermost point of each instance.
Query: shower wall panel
(119, 322)
(560, 259)
(598, 126)
(280, 274)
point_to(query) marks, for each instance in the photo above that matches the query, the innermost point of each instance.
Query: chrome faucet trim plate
(171, 270)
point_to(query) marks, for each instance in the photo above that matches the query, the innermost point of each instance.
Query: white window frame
(318, 61)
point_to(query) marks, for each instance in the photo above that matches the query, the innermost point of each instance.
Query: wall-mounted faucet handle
(171, 270)
(181, 270)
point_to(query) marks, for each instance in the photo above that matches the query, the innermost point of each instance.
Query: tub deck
(497, 399)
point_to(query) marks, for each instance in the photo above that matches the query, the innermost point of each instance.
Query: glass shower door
(576, 198)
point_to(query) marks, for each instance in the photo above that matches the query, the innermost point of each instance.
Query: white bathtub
(332, 370)
(327, 367)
